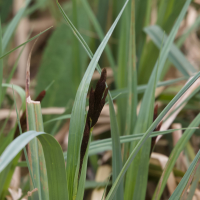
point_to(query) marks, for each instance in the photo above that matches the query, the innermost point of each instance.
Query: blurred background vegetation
(55, 62)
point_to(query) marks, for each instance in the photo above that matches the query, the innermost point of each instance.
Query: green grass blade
(122, 52)
(147, 134)
(132, 98)
(36, 155)
(106, 144)
(58, 118)
(178, 191)
(13, 24)
(194, 184)
(6, 174)
(20, 130)
(77, 34)
(33, 194)
(100, 33)
(19, 90)
(78, 113)
(15, 147)
(53, 155)
(141, 88)
(116, 149)
(53, 158)
(77, 69)
(4, 141)
(75, 31)
(173, 157)
(81, 185)
(4, 55)
(1, 63)
(105, 188)
(139, 168)
(136, 178)
(175, 55)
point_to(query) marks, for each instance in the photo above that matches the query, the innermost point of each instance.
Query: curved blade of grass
(15, 147)
(53, 158)
(13, 24)
(4, 55)
(173, 157)
(178, 191)
(19, 90)
(58, 118)
(116, 149)
(175, 55)
(147, 134)
(53, 155)
(78, 112)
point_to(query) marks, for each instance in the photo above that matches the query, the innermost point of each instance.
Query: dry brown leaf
(176, 135)
(102, 175)
(15, 194)
(45, 111)
(169, 121)
(162, 160)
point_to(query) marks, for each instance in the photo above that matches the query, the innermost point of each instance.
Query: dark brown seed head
(96, 102)
(97, 98)
(41, 96)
